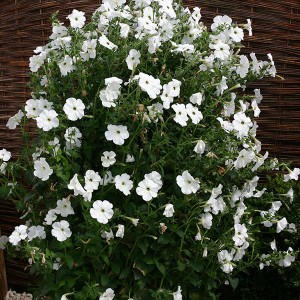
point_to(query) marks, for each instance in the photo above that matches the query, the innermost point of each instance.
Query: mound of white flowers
(144, 180)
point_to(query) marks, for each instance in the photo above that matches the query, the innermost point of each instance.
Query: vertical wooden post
(3, 279)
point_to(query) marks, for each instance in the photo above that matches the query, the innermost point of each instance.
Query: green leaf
(69, 260)
(198, 267)
(234, 282)
(115, 266)
(187, 252)
(124, 274)
(105, 258)
(4, 191)
(163, 239)
(144, 246)
(181, 265)
(161, 267)
(104, 279)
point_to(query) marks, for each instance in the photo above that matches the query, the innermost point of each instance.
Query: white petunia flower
(104, 41)
(102, 211)
(66, 65)
(188, 183)
(5, 155)
(110, 94)
(243, 66)
(124, 30)
(36, 232)
(185, 49)
(200, 147)
(155, 112)
(241, 124)
(108, 178)
(36, 61)
(74, 109)
(3, 168)
(88, 49)
(64, 296)
(292, 175)
(109, 294)
(149, 84)
(108, 235)
(273, 245)
(206, 220)
(288, 258)
(240, 235)
(221, 50)
(156, 178)
(225, 259)
(194, 113)
(123, 183)
(222, 86)
(15, 120)
(44, 104)
(148, 189)
(73, 137)
(166, 97)
(177, 295)
(198, 236)
(42, 169)
(272, 69)
(108, 158)
(130, 158)
(19, 234)
(56, 264)
(55, 145)
(220, 21)
(117, 133)
(58, 31)
(281, 225)
(154, 42)
(196, 98)
(32, 108)
(169, 211)
(290, 195)
(61, 230)
(76, 186)
(47, 120)
(50, 217)
(77, 18)
(146, 23)
(64, 207)
(258, 96)
(236, 34)
(92, 180)
(174, 86)
(260, 161)
(181, 116)
(133, 59)
(120, 231)
(245, 157)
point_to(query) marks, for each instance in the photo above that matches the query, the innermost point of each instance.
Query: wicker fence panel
(25, 24)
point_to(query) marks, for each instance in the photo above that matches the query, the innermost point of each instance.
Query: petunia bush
(145, 179)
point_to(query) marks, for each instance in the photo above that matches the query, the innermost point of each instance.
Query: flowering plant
(143, 180)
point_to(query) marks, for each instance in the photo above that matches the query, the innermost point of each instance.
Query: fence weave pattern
(25, 24)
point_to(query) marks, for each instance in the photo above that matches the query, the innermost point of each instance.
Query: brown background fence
(25, 24)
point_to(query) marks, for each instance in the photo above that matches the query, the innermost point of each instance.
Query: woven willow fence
(25, 24)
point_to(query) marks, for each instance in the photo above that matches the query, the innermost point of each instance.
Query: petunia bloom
(187, 183)
(102, 211)
(61, 230)
(117, 133)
